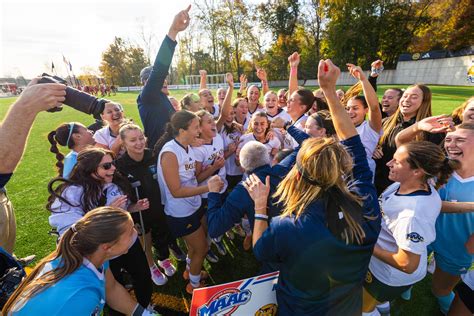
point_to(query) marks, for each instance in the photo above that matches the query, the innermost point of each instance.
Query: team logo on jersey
(415, 237)
(225, 302)
(368, 277)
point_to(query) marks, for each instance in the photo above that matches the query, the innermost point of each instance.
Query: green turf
(28, 192)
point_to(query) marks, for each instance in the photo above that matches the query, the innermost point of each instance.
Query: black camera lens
(76, 99)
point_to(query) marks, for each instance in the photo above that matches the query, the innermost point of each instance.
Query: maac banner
(252, 296)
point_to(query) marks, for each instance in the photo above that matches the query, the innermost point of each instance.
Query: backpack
(11, 275)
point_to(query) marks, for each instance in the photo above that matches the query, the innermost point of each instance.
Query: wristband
(261, 217)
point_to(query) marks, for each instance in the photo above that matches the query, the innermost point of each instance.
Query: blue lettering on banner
(225, 302)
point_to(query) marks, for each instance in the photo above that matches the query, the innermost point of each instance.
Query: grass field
(27, 189)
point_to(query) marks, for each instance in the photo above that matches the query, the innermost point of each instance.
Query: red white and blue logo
(225, 302)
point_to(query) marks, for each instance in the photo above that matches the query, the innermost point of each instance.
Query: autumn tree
(122, 62)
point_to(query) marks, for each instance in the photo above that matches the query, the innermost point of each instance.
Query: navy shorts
(381, 291)
(183, 226)
(466, 295)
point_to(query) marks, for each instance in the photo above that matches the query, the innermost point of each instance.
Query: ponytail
(55, 150)
(446, 170)
(166, 137)
(179, 120)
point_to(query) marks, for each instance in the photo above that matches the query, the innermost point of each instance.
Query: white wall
(445, 71)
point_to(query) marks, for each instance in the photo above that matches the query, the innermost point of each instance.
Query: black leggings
(134, 261)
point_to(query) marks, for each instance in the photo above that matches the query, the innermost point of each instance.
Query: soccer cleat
(220, 246)
(158, 277)
(190, 288)
(168, 267)
(204, 275)
(212, 257)
(177, 252)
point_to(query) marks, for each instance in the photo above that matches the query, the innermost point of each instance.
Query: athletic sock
(188, 263)
(195, 279)
(375, 312)
(445, 302)
(384, 308)
(153, 267)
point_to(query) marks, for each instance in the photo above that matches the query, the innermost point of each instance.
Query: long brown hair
(88, 161)
(432, 160)
(255, 115)
(321, 165)
(457, 112)
(424, 111)
(100, 226)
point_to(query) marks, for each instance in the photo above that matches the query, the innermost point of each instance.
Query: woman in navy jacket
(325, 236)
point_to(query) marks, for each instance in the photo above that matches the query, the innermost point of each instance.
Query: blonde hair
(424, 111)
(99, 226)
(458, 112)
(321, 165)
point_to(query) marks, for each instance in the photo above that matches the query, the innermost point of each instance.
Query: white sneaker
(158, 277)
(168, 267)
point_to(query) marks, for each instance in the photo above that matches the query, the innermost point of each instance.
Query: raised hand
(261, 74)
(378, 64)
(243, 81)
(436, 124)
(328, 73)
(356, 72)
(229, 78)
(202, 72)
(258, 192)
(294, 59)
(180, 23)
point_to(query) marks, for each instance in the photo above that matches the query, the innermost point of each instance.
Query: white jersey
(179, 207)
(103, 136)
(231, 167)
(217, 111)
(273, 143)
(408, 222)
(63, 214)
(281, 114)
(290, 142)
(369, 139)
(206, 154)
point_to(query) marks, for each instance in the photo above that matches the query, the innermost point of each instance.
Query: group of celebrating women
(345, 196)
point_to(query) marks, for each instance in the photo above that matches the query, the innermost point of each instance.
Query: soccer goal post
(214, 81)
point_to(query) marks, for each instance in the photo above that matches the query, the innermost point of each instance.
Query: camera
(76, 99)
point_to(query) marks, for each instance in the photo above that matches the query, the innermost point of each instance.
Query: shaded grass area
(28, 191)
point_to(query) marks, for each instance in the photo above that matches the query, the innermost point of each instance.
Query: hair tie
(73, 228)
(71, 128)
(305, 176)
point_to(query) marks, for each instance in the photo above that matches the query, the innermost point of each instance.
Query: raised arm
(457, 207)
(243, 86)
(227, 104)
(375, 114)
(203, 82)
(328, 73)
(262, 75)
(434, 124)
(15, 128)
(152, 88)
(294, 61)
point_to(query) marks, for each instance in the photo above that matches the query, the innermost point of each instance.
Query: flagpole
(67, 70)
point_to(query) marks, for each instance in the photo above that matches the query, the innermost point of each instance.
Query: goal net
(214, 81)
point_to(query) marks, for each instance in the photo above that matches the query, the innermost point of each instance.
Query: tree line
(237, 36)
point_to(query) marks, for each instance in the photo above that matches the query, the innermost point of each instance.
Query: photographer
(14, 131)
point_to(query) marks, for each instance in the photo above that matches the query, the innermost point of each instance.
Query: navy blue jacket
(222, 215)
(153, 105)
(319, 273)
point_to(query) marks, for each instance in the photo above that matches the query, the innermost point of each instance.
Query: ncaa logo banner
(252, 296)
